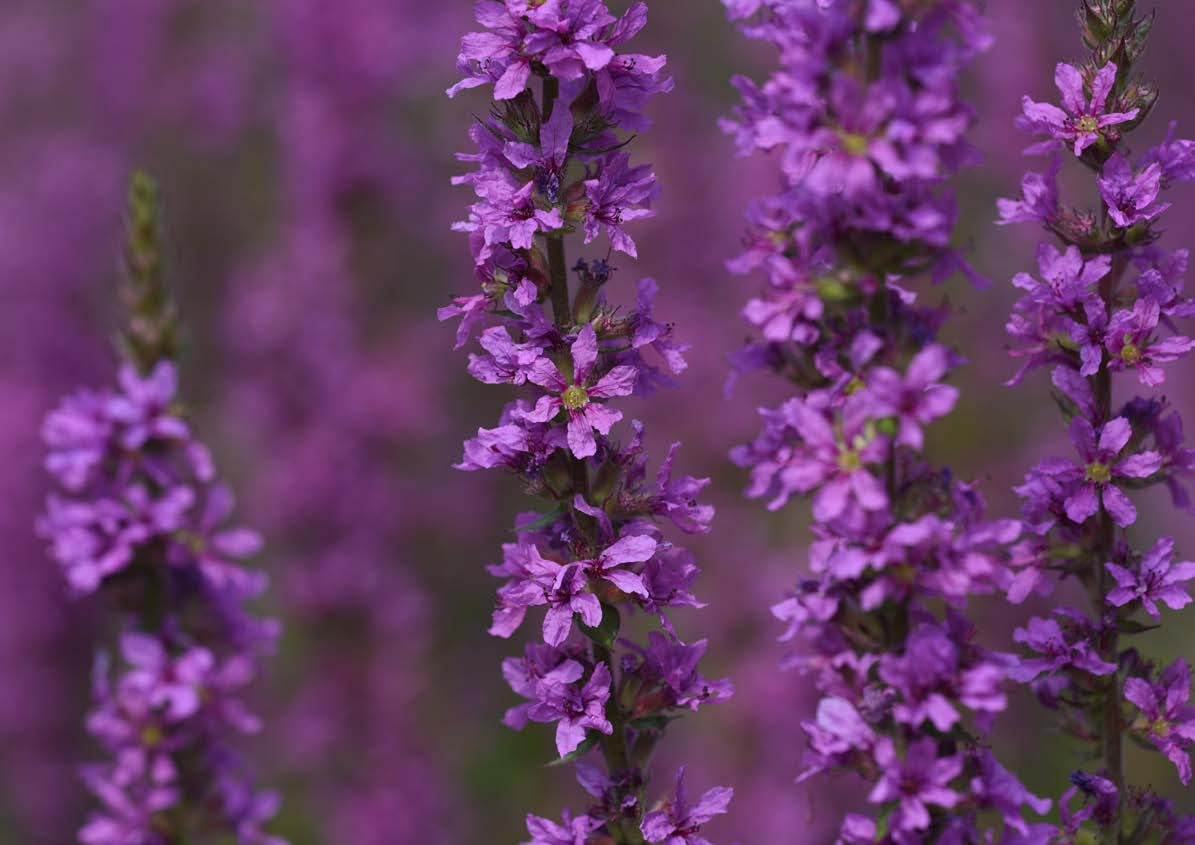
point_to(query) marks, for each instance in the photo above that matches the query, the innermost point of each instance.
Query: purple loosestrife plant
(552, 161)
(865, 118)
(1110, 304)
(140, 518)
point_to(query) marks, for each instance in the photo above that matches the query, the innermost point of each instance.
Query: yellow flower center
(151, 735)
(574, 398)
(854, 143)
(849, 460)
(1099, 473)
(1160, 728)
(1087, 123)
(1129, 353)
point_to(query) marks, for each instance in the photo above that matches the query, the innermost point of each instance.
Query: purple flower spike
(677, 822)
(1157, 580)
(553, 168)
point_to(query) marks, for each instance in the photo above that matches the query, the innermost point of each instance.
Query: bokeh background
(305, 148)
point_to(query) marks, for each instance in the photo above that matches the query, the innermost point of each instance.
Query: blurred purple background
(304, 148)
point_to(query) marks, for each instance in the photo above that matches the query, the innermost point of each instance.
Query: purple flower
(673, 664)
(562, 587)
(1039, 198)
(574, 709)
(1093, 482)
(1046, 637)
(575, 395)
(918, 781)
(836, 733)
(1130, 344)
(617, 194)
(570, 831)
(1168, 721)
(916, 399)
(1130, 196)
(607, 566)
(1079, 120)
(549, 159)
(1157, 580)
(676, 822)
(1175, 158)
(999, 789)
(832, 462)
(1067, 280)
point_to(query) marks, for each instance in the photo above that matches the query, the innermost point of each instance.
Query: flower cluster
(1106, 301)
(865, 115)
(141, 517)
(548, 166)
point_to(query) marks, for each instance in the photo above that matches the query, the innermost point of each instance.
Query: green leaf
(655, 723)
(607, 631)
(544, 520)
(588, 744)
(1132, 626)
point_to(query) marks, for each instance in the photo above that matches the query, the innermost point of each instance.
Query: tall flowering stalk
(1105, 308)
(139, 517)
(865, 116)
(553, 160)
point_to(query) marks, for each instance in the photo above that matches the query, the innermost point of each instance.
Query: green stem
(1110, 722)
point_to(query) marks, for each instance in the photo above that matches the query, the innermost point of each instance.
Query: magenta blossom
(1080, 120)
(915, 399)
(571, 831)
(575, 396)
(1130, 196)
(676, 822)
(1168, 720)
(1131, 345)
(1094, 481)
(1059, 652)
(1157, 580)
(916, 782)
(574, 709)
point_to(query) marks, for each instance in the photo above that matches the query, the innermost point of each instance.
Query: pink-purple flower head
(916, 398)
(575, 708)
(1081, 121)
(803, 448)
(677, 822)
(574, 393)
(1093, 482)
(1060, 648)
(1067, 280)
(1039, 202)
(567, 38)
(618, 194)
(916, 783)
(1131, 196)
(569, 831)
(838, 736)
(1166, 718)
(1130, 342)
(1157, 580)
